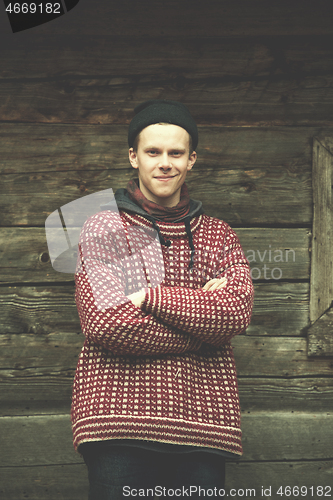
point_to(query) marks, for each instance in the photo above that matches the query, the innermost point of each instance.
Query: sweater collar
(126, 204)
(167, 214)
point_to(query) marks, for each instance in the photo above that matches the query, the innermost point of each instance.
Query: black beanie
(162, 111)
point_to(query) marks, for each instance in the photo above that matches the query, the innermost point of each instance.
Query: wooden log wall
(258, 78)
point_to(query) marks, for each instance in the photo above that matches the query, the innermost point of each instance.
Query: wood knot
(45, 257)
(249, 187)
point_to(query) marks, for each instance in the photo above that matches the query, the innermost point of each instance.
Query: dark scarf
(167, 214)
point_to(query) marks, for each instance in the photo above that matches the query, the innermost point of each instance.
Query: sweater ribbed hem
(164, 430)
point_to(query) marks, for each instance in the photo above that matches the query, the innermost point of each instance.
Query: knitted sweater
(164, 372)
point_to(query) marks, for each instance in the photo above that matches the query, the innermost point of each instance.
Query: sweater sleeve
(211, 316)
(107, 317)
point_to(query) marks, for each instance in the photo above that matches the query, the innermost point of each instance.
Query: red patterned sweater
(165, 372)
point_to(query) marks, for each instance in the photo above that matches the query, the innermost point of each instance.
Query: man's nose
(165, 161)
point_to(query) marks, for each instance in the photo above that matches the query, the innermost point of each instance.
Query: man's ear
(133, 158)
(191, 160)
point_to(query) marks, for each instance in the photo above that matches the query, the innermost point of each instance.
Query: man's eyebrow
(180, 149)
(177, 150)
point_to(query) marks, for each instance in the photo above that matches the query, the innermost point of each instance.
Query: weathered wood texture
(321, 284)
(279, 309)
(274, 374)
(277, 357)
(54, 148)
(286, 250)
(237, 171)
(320, 334)
(257, 78)
(239, 197)
(213, 18)
(258, 81)
(48, 393)
(23, 356)
(296, 436)
(292, 394)
(258, 103)
(52, 482)
(107, 57)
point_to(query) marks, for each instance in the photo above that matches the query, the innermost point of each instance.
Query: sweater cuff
(151, 304)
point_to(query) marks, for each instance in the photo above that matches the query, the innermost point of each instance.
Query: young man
(155, 401)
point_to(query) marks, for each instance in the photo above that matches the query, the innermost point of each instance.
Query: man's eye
(176, 153)
(152, 152)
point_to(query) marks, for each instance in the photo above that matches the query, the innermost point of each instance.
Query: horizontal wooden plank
(69, 482)
(29, 354)
(212, 18)
(34, 148)
(37, 372)
(286, 436)
(273, 436)
(120, 58)
(287, 248)
(25, 255)
(56, 354)
(39, 440)
(40, 355)
(39, 310)
(246, 198)
(307, 102)
(277, 357)
(237, 171)
(294, 394)
(239, 197)
(65, 482)
(279, 309)
(30, 260)
(38, 148)
(49, 394)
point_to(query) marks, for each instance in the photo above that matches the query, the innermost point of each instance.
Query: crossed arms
(163, 319)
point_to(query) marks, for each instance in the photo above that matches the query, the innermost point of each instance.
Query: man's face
(162, 159)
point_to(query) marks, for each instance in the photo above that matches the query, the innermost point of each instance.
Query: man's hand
(215, 284)
(137, 298)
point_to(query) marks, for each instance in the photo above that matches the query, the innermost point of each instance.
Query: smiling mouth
(165, 177)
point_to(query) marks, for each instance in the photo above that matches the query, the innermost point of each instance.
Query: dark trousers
(120, 472)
